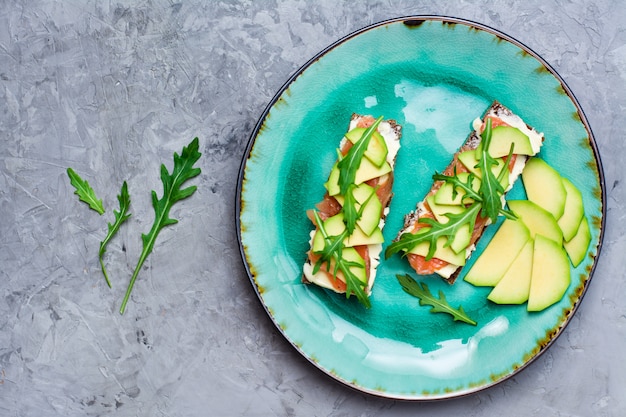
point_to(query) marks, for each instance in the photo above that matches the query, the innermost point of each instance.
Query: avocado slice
(332, 185)
(573, 212)
(577, 246)
(335, 226)
(499, 254)
(469, 160)
(463, 235)
(445, 253)
(550, 276)
(444, 194)
(538, 220)
(514, 287)
(365, 172)
(544, 186)
(503, 136)
(376, 150)
(351, 255)
(372, 211)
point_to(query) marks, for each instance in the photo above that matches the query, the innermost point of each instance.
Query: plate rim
(416, 20)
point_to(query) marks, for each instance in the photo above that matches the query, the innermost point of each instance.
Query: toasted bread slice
(450, 267)
(372, 187)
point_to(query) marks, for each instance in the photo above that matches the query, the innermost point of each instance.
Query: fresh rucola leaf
(120, 217)
(84, 192)
(349, 164)
(487, 203)
(435, 230)
(457, 183)
(183, 171)
(333, 246)
(350, 214)
(426, 298)
(490, 189)
(466, 187)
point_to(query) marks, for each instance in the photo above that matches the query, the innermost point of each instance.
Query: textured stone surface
(113, 89)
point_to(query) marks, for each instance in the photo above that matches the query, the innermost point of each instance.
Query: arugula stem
(104, 272)
(142, 258)
(120, 217)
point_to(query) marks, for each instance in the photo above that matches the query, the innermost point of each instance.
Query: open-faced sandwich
(440, 235)
(346, 242)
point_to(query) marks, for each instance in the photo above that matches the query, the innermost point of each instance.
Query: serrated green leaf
(332, 251)
(490, 188)
(466, 187)
(182, 171)
(120, 217)
(487, 203)
(84, 192)
(349, 164)
(434, 231)
(350, 213)
(457, 183)
(438, 305)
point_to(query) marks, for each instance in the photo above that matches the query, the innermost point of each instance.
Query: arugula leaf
(457, 183)
(487, 202)
(183, 170)
(426, 298)
(84, 192)
(434, 231)
(120, 217)
(332, 251)
(490, 188)
(350, 213)
(349, 164)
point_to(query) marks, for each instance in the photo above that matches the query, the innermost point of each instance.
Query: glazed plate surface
(434, 76)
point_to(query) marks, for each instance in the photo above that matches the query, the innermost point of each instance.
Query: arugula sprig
(349, 164)
(183, 170)
(490, 188)
(426, 298)
(435, 230)
(332, 252)
(84, 192)
(487, 203)
(350, 214)
(120, 217)
(466, 187)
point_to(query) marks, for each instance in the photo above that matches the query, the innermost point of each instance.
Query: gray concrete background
(112, 89)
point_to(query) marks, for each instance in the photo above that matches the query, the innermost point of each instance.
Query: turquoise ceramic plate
(434, 75)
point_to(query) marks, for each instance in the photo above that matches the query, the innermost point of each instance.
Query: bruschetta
(448, 216)
(346, 240)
